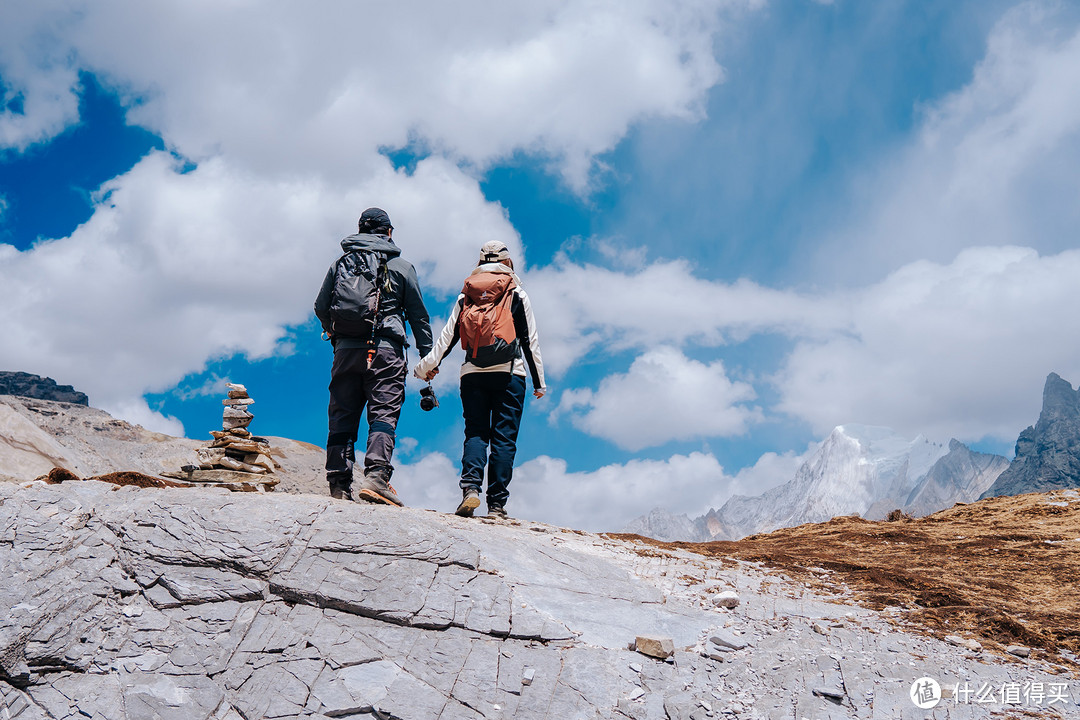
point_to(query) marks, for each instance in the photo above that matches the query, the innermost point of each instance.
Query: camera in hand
(428, 401)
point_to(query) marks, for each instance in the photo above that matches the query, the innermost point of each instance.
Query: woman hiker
(494, 321)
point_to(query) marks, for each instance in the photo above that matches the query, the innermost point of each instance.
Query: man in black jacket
(369, 367)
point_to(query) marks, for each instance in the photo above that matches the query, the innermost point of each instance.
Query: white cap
(493, 252)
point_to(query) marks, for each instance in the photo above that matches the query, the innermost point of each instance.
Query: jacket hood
(374, 243)
(496, 268)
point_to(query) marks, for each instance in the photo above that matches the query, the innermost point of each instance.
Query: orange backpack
(486, 324)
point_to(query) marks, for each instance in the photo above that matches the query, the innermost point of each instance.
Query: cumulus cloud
(39, 85)
(605, 499)
(995, 163)
(431, 482)
(586, 307)
(286, 112)
(608, 498)
(137, 411)
(959, 349)
(174, 269)
(663, 396)
(280, 87)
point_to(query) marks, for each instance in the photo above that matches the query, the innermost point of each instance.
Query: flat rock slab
(122, 603)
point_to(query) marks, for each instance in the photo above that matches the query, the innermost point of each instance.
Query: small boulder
(655, 646)
(726, 599)
(972, 645)
(1018, 650)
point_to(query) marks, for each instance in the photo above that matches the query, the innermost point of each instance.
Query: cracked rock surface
(127, 603)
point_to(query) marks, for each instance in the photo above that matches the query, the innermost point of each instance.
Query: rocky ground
(1003, 572)
(123, 602)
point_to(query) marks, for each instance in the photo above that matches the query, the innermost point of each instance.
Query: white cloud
(956, 350)
(174, 269)
(582, 308)
(995, 163)
(136, 411)
(285, 110)
(605, 499)
(283, 87)
(770, 470)
(608, 498)
(38, 77)
(946, 349)
(431, 482)
(664, 396)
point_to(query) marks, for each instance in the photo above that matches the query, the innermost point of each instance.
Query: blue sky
(742, 223)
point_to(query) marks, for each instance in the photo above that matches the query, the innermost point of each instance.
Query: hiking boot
(341, 490)
(341, 493)
(470, 500)
(497, 511)
(376, 488)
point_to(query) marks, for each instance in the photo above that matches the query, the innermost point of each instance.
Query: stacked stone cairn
(235, 459)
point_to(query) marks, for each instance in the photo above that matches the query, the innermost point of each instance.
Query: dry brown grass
(1003, 570)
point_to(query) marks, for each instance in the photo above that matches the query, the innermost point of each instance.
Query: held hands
(426, 377)
(538, 394)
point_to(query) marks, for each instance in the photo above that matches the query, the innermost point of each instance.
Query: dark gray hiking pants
(381, 388)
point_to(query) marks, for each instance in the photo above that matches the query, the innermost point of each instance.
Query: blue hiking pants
(492, 403)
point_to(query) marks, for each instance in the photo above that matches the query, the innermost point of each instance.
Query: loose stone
(829, 692)
(727, 641)
(971, 645)
(654, 646)
(727, 599)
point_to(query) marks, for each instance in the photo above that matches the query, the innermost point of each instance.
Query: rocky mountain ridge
(862, 470)
(1047, 453)
(36, 387)
(846, 475)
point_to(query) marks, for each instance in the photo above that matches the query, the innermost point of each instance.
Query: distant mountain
(1048, 454)
(33, 386)
(962, 475)
(857, 470)
(663, 525)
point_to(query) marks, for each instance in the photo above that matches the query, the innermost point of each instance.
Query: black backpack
(360, 278)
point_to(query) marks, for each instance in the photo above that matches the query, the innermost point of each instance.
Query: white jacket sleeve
(443, 345)
(532, 343)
